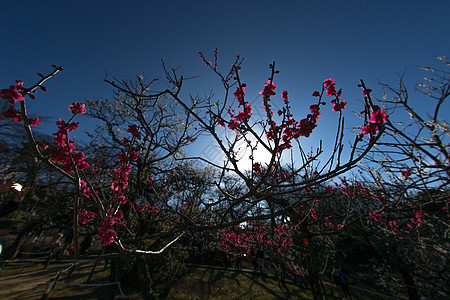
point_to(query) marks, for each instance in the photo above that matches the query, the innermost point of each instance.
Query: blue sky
(309, 40)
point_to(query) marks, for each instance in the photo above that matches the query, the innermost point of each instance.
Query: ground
(29, 280)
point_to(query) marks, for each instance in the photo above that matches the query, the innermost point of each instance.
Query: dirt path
(29, 280)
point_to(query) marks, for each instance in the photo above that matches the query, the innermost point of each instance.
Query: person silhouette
(339, 278)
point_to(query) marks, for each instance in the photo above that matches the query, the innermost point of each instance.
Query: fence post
(50, 257)
(93, 269)
(71, 269)
(51, 286)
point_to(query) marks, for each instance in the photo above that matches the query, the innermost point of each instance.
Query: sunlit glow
(260, 155)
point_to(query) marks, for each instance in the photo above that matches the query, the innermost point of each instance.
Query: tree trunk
(314, 278)
(114, 275)
(147, 294)
(76, 252)
(397, 263)
(407, 279)
(20, 239)
(315, 281)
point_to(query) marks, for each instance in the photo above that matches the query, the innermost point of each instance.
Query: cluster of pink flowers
(124, 158)
(77, 108)
(346, 188)
(17, 93)
(85, 216)
(377, 118)
(153, 210)
(380, 198)
(313, 213)
(363, 189)
(338, 106)
(189, 139)
(293, 129)
(14, 93)
(366, 92)
(120, 178)
(284, 96)
(417, 220)
(87, 192)
(328, 223)
(133, 129)
(406, 173)
(13, 114)
(269, 89)
(204, 59)
(243, 115)
(106, 231)
(294, 269)
(290, 128)
(393, 226)
(120, 175)
(244, 239)
(35, 122)
(64, 151)
(375, 216)
(257, 168)
(330, 87)
(240, 94)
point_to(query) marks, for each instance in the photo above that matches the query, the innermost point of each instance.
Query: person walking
(260, 256)
(254, 259)
(339, 278)
(237, 262)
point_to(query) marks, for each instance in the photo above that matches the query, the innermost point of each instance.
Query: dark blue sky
(310, 41)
